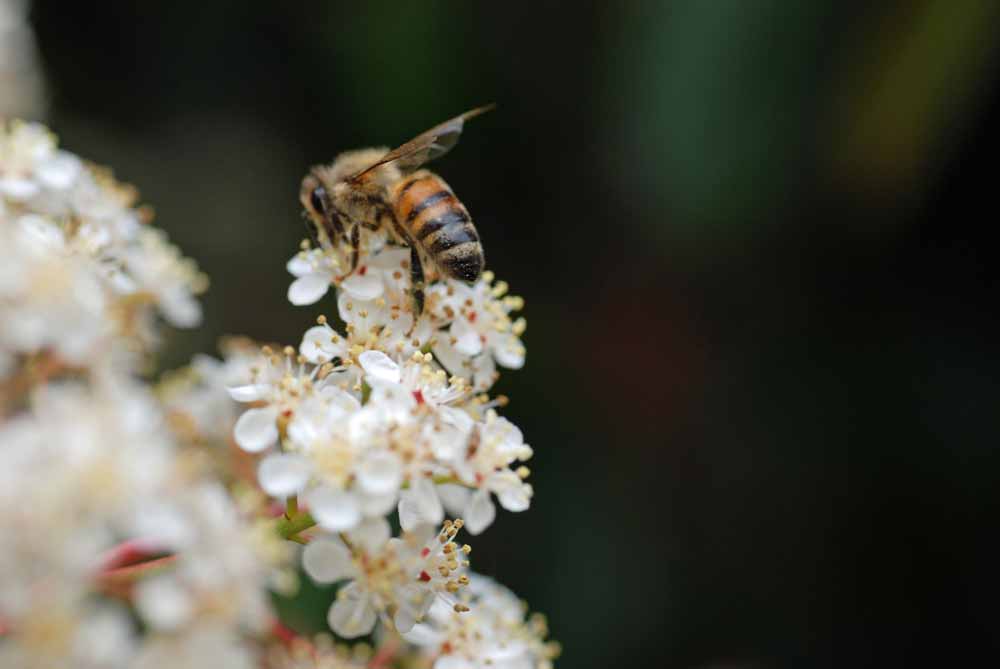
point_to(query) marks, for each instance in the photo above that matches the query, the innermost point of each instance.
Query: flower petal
(309, 288)
(379, 366)
(335, 510)
(509, 352)
(299, 265)
(283, 474)
(371, 535)
(352, 614)
(454, 497)
(377, 505)
(449, 661)
(480, 512)
(413, 601)
(19, 189)
(420, 505)
(318, 346)
(163, 604)
(327, 561)
(381, 473)
(467, 339)
(60, 171)
(515, 498)
(256, 429)
(249, 393)
(423, 634)
(363, 287)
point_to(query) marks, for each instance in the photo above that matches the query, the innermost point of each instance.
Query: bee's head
(313, 197)
(319, 207)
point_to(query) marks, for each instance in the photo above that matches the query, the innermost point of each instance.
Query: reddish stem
(384, 655)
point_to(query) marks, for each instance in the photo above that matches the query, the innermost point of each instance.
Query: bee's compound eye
(318, 199)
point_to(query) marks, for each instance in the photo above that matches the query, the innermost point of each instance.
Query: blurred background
(754, 240)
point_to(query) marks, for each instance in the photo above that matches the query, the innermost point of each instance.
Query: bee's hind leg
(416, 269)
(417, 282)
(355, 247)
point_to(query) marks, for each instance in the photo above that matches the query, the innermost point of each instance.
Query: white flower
(196, 398)
(389, 579)
(369, 326)
(157, 268)
(314, 271)
(50, 298)
(279, 384)
(81, 274)
(493, 634)
(29, 162)
(92, 464)
(382, 271)
(484, 469)
(481, 333)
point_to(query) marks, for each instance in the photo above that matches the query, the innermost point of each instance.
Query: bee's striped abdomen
(434, 217)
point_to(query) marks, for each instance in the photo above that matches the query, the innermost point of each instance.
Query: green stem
(289, 528)
(295, 521)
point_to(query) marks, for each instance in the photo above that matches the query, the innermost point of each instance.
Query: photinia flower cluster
(150, 526)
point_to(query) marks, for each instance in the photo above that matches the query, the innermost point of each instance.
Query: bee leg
(355, 246)
(416, 269)
(417, 282)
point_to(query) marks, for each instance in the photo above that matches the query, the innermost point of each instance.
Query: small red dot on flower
(419, 396)
(425, 552)
(424, 576)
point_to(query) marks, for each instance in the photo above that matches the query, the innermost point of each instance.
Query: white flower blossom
(481, 333)
(395, 579)
(131, 545)
(84, 467)
(493, 634)
(83, 273)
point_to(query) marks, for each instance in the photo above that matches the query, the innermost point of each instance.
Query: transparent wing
(426, 146)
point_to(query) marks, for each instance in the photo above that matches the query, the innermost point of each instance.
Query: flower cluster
(146, 526)
(84, 274)
(121, 546)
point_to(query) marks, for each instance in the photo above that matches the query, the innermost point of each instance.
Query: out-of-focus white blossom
(22, 89)
(84, 468)
(196, 397)
(83, 272)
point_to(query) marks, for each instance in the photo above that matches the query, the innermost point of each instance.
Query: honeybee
(379, 189)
